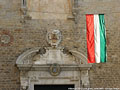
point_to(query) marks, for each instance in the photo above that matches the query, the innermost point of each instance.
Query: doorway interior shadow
(54, 87)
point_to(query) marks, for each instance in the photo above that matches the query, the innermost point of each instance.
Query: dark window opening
(24, 2)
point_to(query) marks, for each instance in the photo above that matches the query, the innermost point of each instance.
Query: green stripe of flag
(102, 38)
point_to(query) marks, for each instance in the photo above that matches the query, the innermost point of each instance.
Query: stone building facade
(24, 25)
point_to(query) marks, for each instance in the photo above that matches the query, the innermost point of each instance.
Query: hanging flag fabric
(96, 38)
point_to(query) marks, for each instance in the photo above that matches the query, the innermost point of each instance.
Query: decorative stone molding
(24, 11)
(24, 7)
(54, 38)
(28, 56)
(37, 71)
(53, 65)
(24, 84)
(55, 69)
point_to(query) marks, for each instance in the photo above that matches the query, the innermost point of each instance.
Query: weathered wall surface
(29, 33)
(107, 74)
(47, 9)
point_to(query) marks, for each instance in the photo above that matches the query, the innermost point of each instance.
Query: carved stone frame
(39, 75)
(74, 9)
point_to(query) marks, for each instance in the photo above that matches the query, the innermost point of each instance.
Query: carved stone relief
(53, 65)
(54, 38)
(5, 38)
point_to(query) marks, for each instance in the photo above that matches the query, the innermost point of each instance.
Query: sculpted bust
(54, 38)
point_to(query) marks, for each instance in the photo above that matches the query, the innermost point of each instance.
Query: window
(48, 9)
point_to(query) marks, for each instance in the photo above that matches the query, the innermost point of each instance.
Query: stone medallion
(5, 39)
(54, 38)
(54, 69)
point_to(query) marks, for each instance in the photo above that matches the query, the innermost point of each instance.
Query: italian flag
(96, 38)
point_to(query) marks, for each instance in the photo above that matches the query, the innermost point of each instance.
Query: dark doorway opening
(53, 87)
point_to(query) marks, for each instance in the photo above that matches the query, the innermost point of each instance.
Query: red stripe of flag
(90, 38)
